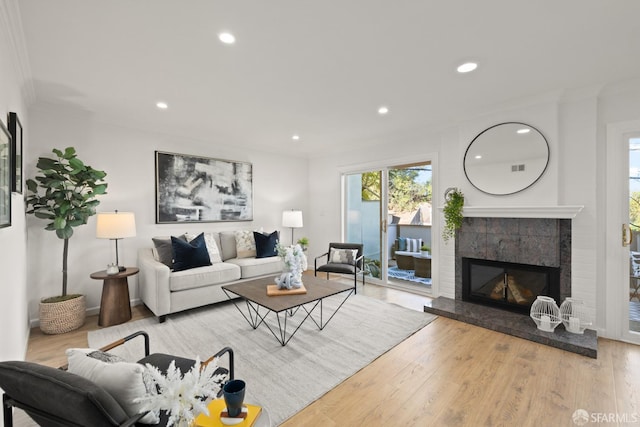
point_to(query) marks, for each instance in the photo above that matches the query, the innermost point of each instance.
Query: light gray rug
(282, 379)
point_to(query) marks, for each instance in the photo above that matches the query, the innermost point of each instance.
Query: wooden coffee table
(259, 304)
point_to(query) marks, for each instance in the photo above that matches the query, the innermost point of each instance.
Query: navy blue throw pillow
(188, 255)
(266, 244)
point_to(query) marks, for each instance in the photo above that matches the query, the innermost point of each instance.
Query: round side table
(115, 307)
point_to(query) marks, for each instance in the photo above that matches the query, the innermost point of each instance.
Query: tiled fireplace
(538, 245)
(531, 242)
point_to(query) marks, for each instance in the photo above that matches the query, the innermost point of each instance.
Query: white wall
(127, 155)
(14, 329)
(572, 122)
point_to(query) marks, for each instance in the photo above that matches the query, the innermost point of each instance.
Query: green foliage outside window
(634, 211)
(405, 194)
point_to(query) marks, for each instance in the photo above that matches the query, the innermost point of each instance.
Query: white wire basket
(574, 315)
(546, 314)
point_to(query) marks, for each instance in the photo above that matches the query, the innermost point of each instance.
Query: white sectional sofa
(165, 291)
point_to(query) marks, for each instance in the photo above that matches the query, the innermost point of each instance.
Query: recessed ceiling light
(525, 130)
(467, 67)
(162, 105)
(478, 156)
(227, 38)
(296, 137)
(383, 110)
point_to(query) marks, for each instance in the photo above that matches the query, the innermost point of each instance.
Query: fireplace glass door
(509, 285)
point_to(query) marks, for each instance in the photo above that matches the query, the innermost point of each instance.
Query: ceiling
(320, 69)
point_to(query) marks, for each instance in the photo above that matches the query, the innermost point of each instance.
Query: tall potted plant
(453, 205)
(64, 194)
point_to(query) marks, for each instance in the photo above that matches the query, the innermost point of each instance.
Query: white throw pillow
(245, 244)
(212, 246)
(122, 380)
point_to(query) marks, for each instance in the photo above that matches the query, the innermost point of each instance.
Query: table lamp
(115, 226)
(293, 219)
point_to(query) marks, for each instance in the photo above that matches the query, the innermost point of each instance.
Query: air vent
(517, 168)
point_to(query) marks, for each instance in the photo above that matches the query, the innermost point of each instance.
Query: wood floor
(454, 374)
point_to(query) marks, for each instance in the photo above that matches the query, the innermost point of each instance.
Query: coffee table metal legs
(256, 315)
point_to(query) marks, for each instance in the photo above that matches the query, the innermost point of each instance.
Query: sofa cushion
(218, 273)
(266, 244)
(187, 255)
(254, 267)
(228, 245)
(210, 239)
(245, 244)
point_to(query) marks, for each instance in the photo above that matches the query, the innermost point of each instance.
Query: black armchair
(54, 397)
(342, 262)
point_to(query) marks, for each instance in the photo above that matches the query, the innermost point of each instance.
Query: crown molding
(11, 22)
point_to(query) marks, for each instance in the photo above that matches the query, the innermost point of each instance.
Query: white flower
(183, 396)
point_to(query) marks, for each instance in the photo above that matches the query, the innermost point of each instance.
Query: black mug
(233, 392)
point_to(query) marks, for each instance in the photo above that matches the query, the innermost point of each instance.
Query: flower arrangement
(295, 263)
(183, 397)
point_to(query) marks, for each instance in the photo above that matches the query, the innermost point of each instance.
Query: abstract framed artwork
(5, 177)
(202, 189)
(15, 129)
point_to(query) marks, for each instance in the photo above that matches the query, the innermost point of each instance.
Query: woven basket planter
(61, 317)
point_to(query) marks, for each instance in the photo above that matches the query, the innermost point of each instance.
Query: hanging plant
(454, 202)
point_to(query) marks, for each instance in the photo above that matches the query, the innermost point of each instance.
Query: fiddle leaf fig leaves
(64, 194)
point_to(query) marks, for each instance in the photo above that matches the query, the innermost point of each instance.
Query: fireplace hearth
(500, 300)
(512, 286)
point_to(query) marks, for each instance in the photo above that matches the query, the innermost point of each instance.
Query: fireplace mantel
(560, 212)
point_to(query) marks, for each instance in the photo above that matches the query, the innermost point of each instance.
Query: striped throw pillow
(413, 245)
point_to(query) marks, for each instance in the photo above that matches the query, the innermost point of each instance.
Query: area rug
(282, 379)
(398, 273)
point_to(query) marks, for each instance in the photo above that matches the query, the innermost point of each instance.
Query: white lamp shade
(115, 225)
(292, 219)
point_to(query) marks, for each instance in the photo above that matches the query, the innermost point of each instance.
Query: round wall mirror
(506, 158)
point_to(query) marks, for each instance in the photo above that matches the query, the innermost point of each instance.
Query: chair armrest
(227, 350)
(119, 343)
(357, 261)
(315, 260)
(324, 254)
(128, 338)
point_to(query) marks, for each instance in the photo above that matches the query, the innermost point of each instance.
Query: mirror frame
(464, 159)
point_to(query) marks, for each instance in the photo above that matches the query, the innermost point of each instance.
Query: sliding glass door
(389, 211)
(363, 217)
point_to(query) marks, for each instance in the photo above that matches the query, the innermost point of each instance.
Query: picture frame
(5, 176)
(202, 189)
(15, 129)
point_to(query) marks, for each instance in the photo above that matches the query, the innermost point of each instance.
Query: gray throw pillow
(165, 249)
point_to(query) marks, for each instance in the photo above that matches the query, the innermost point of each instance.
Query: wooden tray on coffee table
(272, 291)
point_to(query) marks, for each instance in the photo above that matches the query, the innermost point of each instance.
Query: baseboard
(91, 311)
